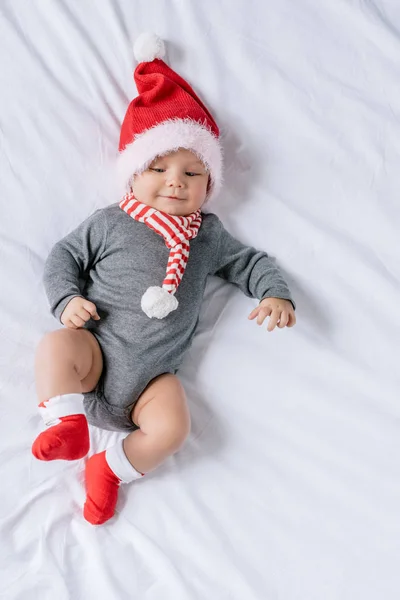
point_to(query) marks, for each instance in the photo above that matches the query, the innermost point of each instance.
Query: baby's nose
(174, 181)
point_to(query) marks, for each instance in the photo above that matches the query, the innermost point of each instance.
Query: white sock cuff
(61, 406)
(120, 465)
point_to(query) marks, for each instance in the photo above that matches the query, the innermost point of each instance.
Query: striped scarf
(176, 231)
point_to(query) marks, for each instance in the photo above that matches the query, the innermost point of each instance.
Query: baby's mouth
(172, 198)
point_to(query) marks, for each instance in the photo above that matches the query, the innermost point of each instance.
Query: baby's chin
(176, 208)
(178, 211)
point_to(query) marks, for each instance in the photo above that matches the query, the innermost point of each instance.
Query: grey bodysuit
(111, 260)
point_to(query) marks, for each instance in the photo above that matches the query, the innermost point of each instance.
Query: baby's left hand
(279, 311)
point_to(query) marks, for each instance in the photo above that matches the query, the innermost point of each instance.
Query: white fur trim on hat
(168, 136)
(148, 46)
(158, 303)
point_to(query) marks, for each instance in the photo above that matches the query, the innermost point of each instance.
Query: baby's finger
(254, 313)
(273, 320)
(84, 314)
(76, 320)
(283, 321)
(69, 324)
(292, 320)
(265, 311)
(92, 310)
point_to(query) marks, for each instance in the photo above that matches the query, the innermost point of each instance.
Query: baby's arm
(70, 259)
(258, 276)
(252, 270)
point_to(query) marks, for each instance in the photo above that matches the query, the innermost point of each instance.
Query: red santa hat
(165, 116)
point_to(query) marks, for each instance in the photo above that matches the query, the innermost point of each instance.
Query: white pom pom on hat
(148, 46)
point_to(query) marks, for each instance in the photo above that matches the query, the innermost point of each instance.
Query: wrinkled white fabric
(288, 486)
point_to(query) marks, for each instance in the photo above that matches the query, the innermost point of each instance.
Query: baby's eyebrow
(196, 165)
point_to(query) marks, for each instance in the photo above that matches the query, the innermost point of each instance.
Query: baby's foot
(67, 440)
(101, 490)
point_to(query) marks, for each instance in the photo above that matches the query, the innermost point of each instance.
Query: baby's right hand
(77, 312)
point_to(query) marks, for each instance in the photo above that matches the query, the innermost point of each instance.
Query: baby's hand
(279, 311)
(77, 312)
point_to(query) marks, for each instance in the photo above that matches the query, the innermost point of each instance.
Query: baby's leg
(163, 417)
(68, 363)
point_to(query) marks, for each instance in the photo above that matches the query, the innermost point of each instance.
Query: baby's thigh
(163, 403)
(76, 348)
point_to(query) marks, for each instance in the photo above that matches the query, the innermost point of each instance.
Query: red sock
(67, 437)
(104, 474)
(101, 490)
(69, 440)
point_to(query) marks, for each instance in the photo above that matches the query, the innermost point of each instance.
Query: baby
(128, 283)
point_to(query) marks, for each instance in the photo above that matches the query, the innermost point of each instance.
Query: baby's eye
(157, 170)
(191, 174)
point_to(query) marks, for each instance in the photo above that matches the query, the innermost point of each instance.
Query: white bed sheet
(288, 487)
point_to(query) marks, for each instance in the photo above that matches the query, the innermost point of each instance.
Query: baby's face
(175, 184)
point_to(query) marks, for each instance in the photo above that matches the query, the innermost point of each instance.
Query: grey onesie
(111, 260)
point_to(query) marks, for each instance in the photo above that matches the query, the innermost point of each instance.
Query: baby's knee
(62, 344)
(52, 342)
(55, 342)
(172, 431)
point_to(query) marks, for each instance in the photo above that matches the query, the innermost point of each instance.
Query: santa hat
(165, 116)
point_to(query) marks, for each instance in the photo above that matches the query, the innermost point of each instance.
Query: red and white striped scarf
(176, 231)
